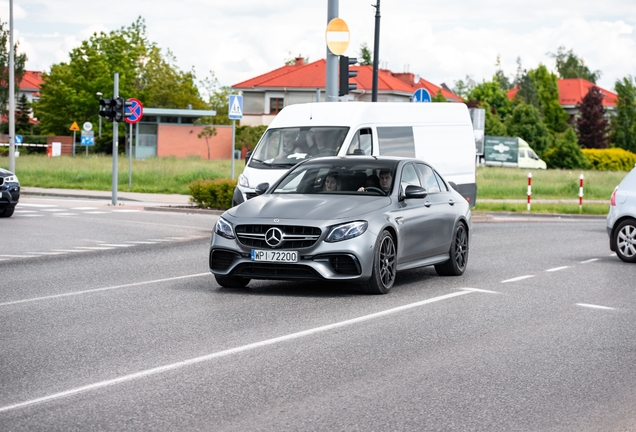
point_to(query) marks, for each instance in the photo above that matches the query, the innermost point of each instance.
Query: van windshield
(285, 147)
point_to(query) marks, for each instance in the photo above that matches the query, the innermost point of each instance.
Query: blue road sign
(236, 107)
(18, 139)
(87, 141)
(136, 109)
(421, 95)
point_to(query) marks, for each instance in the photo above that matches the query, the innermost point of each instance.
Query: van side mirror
(248, 155)
(261, 188)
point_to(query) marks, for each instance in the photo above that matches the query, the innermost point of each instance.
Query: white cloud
(442, 41)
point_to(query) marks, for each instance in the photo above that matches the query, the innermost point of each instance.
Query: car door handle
(451, 202)
(427, 203)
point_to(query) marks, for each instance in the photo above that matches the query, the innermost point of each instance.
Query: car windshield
(343, 176)
(285, 147)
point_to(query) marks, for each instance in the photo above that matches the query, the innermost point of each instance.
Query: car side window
(522, 153)
(361, 143)
(442, 184)
(429, 180)
(409, 177)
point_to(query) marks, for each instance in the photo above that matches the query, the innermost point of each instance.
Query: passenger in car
(332, 183)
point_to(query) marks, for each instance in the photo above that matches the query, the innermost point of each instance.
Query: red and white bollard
(581, 193)
(529, 189)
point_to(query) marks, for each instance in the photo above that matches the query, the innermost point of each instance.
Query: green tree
(439, 97)
(248, 136)
(570, 66)
(566, 153)
(217, 98)
(19, 61)
(23, 115)
(504, 83)
(527, 92)
(207, 133)
(494, 125)
(463, 87)
(554, 116)
(526, 122)
(490, 92)
(624, 122)
(69, 90)
(366, 55)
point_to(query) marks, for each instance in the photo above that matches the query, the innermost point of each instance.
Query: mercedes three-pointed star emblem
(273, 237)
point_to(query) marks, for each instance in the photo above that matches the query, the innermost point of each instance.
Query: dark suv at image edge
(9, 192)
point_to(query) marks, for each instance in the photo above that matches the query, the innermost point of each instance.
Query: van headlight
(346, 231)
(224, 229)
(242, 181)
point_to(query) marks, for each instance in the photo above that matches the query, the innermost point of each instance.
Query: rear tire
(625, 240)
(232, 281)
(384, 266)
(7, 211)
(456, 264)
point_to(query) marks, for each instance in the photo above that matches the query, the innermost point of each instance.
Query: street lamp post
(100, 94)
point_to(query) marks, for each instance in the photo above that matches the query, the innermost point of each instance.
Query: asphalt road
(111, 321)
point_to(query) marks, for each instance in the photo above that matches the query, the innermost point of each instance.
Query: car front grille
(1, 181)
(221, 260)
(293, 237)
(275, 271)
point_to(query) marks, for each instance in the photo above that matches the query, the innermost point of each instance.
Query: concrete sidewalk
(141, 198)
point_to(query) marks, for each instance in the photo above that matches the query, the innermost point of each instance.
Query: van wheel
(625, 240)
(458, 260)
(384, 266)
(232, 281)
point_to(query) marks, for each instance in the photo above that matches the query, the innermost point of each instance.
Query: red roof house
(573, 90)
(265, 95)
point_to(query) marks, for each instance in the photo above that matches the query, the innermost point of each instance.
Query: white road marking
(589, 261)
(141, 242)
(159, 240)
(95, 212)
(481, 290)
(33, 215)
(45, 253)
(25, 211)
(219, 354)
(84, 208)
(94, 247)
(612, 254)
(71, 250)
(102, 289)
(557, 268)
(517, 279)
(125, 211)
(53, 210)
(36, 205)
(19, 256)
(117, 245)
(595, 306)
(64, 214)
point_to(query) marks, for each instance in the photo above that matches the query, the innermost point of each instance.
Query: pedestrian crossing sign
(236, 107)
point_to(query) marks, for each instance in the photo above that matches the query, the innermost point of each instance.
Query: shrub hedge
(215, 193)
(612, 159)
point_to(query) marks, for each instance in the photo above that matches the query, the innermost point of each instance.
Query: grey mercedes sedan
(353, 219)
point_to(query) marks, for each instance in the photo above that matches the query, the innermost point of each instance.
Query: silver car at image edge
(621, 219)
(344, 219)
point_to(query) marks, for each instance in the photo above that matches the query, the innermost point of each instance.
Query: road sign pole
(130, 158)
(73, 143)
(86, 151)
(115, 149)
(233, 144)
(332, 60)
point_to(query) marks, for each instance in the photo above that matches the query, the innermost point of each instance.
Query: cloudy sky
(441, 40)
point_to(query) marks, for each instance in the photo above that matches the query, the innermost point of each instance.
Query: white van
(438, 133)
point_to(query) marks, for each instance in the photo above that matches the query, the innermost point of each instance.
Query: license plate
(274, 256)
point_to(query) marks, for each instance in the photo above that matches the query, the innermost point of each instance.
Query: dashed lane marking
(589, 261)
(517, 278)
(595, 306)
(557, 268)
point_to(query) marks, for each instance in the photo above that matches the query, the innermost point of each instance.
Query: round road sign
(87, 126)
(337, 36)
(136, 109)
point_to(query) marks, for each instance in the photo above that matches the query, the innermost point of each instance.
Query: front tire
(625, 240)
(384, 266)
(456, 264)
(232, 281)
(7, 211)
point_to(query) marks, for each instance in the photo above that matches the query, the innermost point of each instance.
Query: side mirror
(261, 188)
(248, 155)
(415, 192)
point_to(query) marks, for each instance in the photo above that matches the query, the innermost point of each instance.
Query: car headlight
(346, 231)
(11, 179)
(243, 181)
(224, 229)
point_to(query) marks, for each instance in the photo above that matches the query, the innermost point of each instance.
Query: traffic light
(345, 74)
(107, 108)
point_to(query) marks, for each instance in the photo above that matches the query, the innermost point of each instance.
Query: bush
(215, 193)
(565, 153)
(613, 159)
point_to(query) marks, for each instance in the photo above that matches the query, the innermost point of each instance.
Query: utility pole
(376, 53)
(115, 146)
(332, 60)
(11, 92)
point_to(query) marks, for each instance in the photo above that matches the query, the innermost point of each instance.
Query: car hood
(5, 173)
(324, 207)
